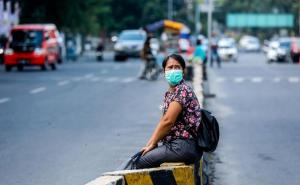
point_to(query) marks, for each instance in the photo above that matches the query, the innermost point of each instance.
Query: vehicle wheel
(20, 67)
(99, 58)
(53, 66)
(117, 58)
(8, 68)
(60, 60)
(43, 67)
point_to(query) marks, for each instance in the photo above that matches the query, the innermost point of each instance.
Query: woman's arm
(164, 126)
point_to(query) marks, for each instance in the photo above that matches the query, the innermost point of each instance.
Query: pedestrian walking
(214, 52)
(200, 57)
(199, 53)
(171, 141)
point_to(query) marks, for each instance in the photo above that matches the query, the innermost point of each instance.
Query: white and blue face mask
(174, 76)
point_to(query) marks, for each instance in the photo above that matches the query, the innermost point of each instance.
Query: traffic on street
(102, 92)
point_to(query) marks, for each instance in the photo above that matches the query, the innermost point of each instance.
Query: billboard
(243, 20)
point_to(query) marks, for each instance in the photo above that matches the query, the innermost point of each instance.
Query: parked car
(249, 43)
(227, 49)
(129, 44)
(295, 49)
(279, 50)
(32, 44)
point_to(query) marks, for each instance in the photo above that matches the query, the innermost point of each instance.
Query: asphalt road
(71, 125)
(258, 109)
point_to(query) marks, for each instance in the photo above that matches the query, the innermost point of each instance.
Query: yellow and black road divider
(167, 174)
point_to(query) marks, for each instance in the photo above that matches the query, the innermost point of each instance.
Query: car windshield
(131, 36)
(253, 41)
(285, 44)
(28, 37)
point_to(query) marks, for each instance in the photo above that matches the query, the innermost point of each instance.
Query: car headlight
(38, 51)
(118, 46)
(1, 51)
(9, 51)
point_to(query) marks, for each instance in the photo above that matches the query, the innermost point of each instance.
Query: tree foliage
(93, 16)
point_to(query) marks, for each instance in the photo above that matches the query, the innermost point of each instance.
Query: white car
(227, 49)
(249, 43)
(130, 43)
(279, 50)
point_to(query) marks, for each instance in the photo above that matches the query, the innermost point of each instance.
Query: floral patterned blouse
(189, 117)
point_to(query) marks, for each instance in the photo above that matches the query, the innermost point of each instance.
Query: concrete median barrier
(167, 174)
(108, 180)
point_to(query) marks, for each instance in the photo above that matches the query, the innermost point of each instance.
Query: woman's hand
(148, 148)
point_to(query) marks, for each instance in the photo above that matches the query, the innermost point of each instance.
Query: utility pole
(299, 18)
(209, 28)
(197, 17)
(170, 9)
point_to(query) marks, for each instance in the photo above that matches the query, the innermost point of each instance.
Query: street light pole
(299, 18)
(170, 9)
(197, 17)
(209, 20)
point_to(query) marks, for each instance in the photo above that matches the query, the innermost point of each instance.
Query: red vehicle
(295, 50)
(32, 44)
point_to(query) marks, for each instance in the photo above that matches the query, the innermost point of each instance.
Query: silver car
(129, 44)
(227, 49)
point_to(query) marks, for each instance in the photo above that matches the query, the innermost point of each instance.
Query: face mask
(173, 77)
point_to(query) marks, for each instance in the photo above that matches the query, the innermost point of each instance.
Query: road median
(167, 174)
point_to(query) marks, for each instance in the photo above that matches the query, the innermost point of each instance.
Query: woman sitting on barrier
(181, 115)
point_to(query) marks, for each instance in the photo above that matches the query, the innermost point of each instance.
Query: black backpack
(207, 133)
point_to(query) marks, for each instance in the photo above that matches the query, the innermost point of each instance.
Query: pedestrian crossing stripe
(293, 79)
(258, 79)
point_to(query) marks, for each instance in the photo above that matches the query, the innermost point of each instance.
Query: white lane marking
(220, 80)
(95, 79)
(256, 79)
(128, 80)
(238, 80)
(4, 100)
(111, 79)
(90, 75)
(62, 83)
(37, 90)
(293, 79)
(276, 80)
